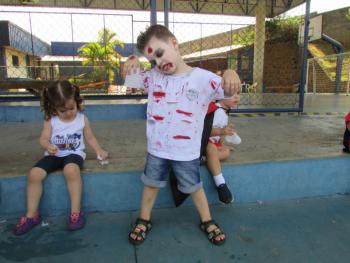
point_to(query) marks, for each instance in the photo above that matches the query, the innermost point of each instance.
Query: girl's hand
(131, 66)
(102, 154)
(52, 149)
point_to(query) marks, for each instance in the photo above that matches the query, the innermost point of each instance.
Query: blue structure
(71, 48)
(112, 191)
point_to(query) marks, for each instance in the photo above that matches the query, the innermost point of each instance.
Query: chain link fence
(89, 49)
(329, 74)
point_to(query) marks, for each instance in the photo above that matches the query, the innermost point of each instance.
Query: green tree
(277, 29)
(102, 55)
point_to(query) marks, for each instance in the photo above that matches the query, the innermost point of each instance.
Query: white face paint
(163, 54)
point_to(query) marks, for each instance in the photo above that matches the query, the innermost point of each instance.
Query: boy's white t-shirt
(68, 137)
(220, 121)
(177, 105)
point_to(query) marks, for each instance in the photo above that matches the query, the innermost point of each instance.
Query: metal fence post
(307, 75)
(313, 76)
(305, 51)
(73, 51)
(348, 82)
(153, 12)
(32, 43)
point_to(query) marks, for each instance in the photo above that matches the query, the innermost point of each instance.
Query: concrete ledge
(94, 112)
(250, 183)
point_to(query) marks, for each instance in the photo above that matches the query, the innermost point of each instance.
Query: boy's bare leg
(214, 155)
(213, 161)
(200, 201)
(224, 152)
(148, 197)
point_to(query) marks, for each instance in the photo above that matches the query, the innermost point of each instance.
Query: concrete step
(121, 191)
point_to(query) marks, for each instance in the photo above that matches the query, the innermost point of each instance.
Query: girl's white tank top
(68, 136)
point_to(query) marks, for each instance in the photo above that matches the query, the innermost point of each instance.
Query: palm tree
(102, 55)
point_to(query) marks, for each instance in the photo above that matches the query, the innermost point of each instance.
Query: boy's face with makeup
(163, 54)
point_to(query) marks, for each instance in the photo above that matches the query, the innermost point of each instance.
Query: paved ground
(263, 139)
(307, 231)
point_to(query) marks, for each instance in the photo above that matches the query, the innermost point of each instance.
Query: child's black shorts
(51, 163)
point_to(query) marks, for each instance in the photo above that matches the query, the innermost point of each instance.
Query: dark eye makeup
(159, 53)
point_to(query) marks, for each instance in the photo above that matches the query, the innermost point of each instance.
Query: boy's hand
(52, 149)
(228, 130)
(231, 82)
(102, 154)
(131, 66)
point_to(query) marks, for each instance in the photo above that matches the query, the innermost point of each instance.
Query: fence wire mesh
(329, 74)
(89, 49)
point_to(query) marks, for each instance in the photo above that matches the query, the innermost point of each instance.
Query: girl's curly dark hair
(55, 96)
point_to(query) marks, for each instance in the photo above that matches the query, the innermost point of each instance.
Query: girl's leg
(71, 172)
(34, 190)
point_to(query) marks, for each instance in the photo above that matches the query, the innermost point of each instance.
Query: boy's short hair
(158, 31)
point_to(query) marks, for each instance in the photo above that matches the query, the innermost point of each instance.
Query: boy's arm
(92, 141)
(227, 130)
(231, 83)
(132, 74)
(45, 138)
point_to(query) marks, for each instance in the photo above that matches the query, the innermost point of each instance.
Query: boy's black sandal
(139, 232)
(212, 235)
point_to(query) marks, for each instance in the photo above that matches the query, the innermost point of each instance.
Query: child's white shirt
(68, 136)
(177, 105)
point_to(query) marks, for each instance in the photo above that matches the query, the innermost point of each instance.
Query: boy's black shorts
(51, 163)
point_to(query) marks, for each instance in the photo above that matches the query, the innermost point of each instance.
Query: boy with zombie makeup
(178, 98)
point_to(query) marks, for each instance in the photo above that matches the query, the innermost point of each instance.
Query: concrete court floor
(263, 139)
(315, 230)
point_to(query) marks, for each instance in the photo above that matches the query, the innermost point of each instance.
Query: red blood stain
(188, 114)
(213, 84)
(145, 82)
(159, 94)
(149, 50)
(181, 137)
(158, 118)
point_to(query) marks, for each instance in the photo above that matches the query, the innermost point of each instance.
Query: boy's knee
(211, 149)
